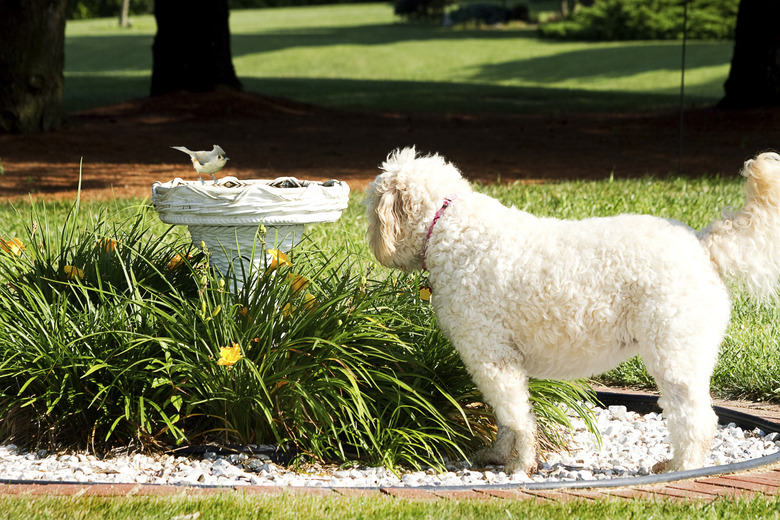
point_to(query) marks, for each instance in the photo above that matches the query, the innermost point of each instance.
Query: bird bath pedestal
(227, 216)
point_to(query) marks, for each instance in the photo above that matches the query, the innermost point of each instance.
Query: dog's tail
(745, 244)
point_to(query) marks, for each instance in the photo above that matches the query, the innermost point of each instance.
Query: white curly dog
(519, 296)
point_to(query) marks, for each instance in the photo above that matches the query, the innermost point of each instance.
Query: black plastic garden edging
(646, 404)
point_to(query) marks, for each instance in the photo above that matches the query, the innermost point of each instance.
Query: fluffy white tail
(745, 244)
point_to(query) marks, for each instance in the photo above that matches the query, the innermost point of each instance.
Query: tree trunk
(191, 50)
(754, 79)
(124, 14)
(32, 59)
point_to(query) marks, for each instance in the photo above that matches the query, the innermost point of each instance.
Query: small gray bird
(206, 162)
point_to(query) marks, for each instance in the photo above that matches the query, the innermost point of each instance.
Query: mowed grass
(363, 56)
(231, 505)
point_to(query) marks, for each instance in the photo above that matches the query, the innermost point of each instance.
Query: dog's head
(401, 202)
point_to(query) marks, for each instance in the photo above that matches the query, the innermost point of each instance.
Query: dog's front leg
(505, 387)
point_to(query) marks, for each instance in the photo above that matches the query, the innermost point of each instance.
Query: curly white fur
(521, 296)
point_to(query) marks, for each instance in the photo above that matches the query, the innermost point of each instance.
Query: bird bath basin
(227, 216)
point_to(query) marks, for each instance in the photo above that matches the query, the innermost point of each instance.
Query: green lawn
(362, 56)
(301, 506)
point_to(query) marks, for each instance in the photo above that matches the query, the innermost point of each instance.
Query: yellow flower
(72, 272)
(243, 311)
(108, 244)
(276, 258)
(309, 302)
(425, 293)
(229, 355)
(298, 282)
(176, 262)
(13, 246)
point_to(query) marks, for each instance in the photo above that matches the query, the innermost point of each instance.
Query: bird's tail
(745, 244)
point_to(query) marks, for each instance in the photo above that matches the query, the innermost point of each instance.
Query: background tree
(124, 14)
(191, 50)
(754, 78)
(32, 58)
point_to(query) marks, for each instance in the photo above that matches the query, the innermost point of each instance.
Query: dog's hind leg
(683, 380)
(692, 424)
(678, 341)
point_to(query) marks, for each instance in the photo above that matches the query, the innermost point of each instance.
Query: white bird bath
(227, 216)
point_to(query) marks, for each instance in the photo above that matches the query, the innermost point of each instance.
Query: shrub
(488, 14)
(78, 344)
(110, 336)
(421, 9)
(646, 20)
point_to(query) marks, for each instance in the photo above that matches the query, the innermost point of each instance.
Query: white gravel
(632, 443)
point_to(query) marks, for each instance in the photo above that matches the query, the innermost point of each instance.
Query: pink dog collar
(447, 201)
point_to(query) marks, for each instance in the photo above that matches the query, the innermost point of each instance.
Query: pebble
(631, 445)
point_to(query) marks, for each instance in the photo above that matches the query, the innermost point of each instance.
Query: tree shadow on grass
(85, 91)
(613, 62)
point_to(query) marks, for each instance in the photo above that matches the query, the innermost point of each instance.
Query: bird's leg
(195, 164)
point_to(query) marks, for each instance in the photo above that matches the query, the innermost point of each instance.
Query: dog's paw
(488, 456)
(516, 465)
(664, 466)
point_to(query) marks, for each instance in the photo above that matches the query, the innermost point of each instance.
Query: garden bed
(620, 462)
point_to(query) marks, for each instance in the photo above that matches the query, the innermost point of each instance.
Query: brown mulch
(126, 147)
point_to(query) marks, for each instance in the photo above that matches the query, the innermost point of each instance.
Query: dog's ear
(385, 223)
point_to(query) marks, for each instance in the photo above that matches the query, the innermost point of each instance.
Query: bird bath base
(227, 216)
